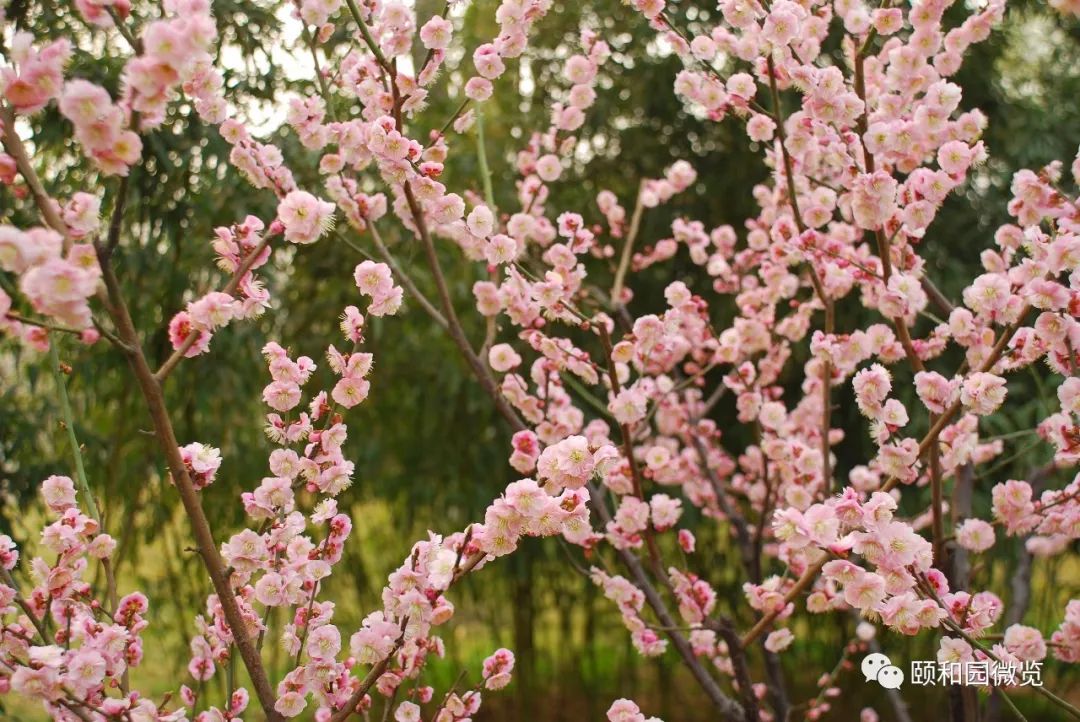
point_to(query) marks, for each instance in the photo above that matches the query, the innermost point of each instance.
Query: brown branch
(6, 577)
(628, 452)
(446, 697)
(10, 315)
(738, 521)
(75, 710)
(457, 114)
(737, 653)
(406, 280)
(368, 681)
(936, 296)
(132, 40)
(900, 323)
(937, 504)
(781, 136)
(189, 496)
(380, 667)
(457, 333)
(927, 589)
(117, 220)
(803, 582)
(963, 490)
(931, 437)
(178, 355)
(819, 286)
(15, 148)
(951, 412)
(628, 247)
(728, 708)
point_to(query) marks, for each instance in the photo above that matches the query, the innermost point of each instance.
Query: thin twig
(727, 707)
(69, 425)
(819, 285)
(324, 89)
(368, 681)
(406, 279)
(42, 324)
(628, 247)
(803, 582)
(178, 355)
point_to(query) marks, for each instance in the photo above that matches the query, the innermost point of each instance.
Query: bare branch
(628, 247)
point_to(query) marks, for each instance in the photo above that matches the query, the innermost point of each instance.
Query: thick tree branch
(189, 496)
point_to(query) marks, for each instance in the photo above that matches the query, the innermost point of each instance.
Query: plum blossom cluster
(613, 410)
(374, 281)
(56, 277)
(59, 645)
(107, 131)
(240, 249)
(281, 564)
(860, 171)
(36, 75)
(624, 710)
(1050, 521)
(898, 555)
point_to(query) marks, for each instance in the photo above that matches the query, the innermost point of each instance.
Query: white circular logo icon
(879, 668)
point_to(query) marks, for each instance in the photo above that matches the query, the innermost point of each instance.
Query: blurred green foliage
(428, 448)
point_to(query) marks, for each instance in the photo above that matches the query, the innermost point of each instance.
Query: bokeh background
(430, 452)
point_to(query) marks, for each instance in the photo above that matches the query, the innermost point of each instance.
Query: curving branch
(14, 146)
